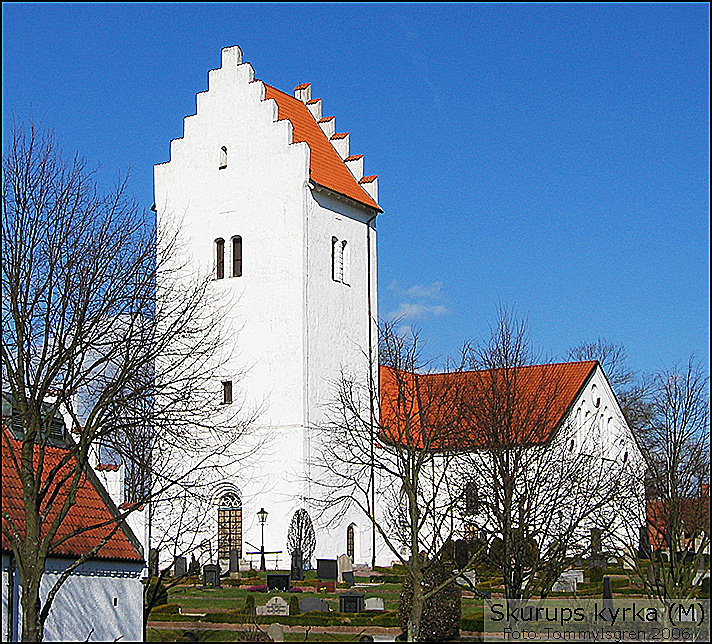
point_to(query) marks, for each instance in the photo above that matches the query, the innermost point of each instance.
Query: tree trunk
(32, 626)
(416, 608)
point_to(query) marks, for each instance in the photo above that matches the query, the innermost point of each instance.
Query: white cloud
(418, 302)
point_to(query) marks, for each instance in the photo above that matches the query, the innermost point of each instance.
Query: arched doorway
(229, 525)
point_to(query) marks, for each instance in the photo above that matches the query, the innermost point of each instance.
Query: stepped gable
(89, 510)
(420, 409)
(326, 167)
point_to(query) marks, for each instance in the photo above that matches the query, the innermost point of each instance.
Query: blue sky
(551, 157)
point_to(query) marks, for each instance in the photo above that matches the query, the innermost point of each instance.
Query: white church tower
(270, 199)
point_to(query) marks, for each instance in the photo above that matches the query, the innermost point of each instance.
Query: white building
(269, 199)
(102, 600)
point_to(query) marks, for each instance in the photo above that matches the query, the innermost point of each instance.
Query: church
(270, 199)
(273, 205)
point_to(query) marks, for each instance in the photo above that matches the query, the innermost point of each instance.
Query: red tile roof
(474, 409)
(325, 165)
(89, 510)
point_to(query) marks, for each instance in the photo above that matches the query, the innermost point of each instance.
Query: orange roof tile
(89, 510)
(325, 165)
(368, 179)
(339, 135)
(459, 410)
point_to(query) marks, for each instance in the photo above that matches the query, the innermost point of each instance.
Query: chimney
(355, 164)
(370, 185)
(314, 106)
(303, 92)
(340, 142)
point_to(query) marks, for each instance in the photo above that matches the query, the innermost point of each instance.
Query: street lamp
(262, 517)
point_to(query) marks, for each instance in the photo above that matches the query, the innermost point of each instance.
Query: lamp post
(262, 517)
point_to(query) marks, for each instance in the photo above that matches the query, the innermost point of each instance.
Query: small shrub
(596, 575)
(295, 589)
(705, 587)
(249, 605)
(262, 588)
(294, 605)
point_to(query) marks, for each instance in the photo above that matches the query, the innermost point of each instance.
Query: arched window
(351, 542)
(237, 256)
(229, 525)
(219, 258)
(223, 158)
(471, 498)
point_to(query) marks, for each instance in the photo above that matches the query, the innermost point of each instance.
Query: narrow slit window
(237, 256)
(345, 261)
(335, 259)
(219, 259)
(223, 158)
(227, 392)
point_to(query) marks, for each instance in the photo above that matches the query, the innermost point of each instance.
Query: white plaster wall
(293, 327)
(83, 609)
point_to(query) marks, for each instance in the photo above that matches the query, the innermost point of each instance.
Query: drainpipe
(371, 384)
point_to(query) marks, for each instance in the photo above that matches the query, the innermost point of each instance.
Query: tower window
(339, 260)
(237, 256)
(227, 392)
(219, 259)
(223, 158)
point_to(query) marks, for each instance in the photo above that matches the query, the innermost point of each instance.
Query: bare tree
(405, 450)
(676, 505)
(101, 326)
(301, 536)
(540, 488)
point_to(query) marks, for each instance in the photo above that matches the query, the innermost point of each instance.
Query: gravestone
(180, 567)
(567, 581)
(276, 632)
(275, 606)
(348, 577)
(351, 602)
(234, 561)
(278, 581)
(313, 605)
(326, 586)
(461, 554)
(211, 576)
(607, 613)
(343, 564)
(470, 577)
(327, 569)
(153, 562)
(375, 603)
(297, 572)
(244, 565)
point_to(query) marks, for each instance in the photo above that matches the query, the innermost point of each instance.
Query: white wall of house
(294, 327)
(102, 601)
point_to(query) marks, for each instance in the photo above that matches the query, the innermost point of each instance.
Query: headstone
(351, 602)
(276, 632)
(180, 567)
(375, 603)
(244, 565)
(278, 581)
(343, 564)
(470, 577)
(462, 554)
(153, 562)
(327, 569)
(275, 606)
(326, 586)
(297, 572)
(348, 577)
(234, 560)
(313, 605)
(211, 576)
